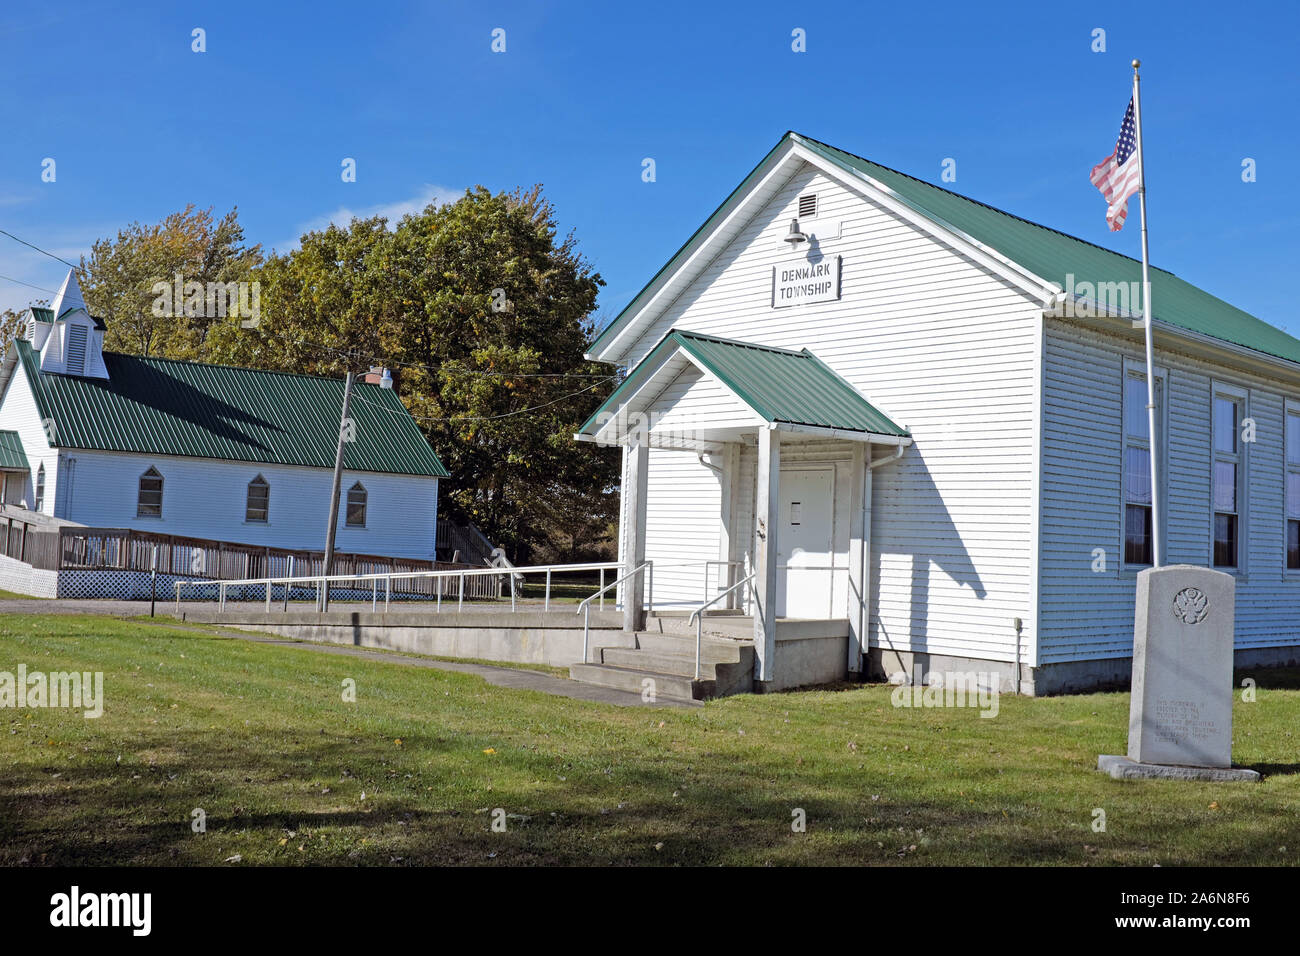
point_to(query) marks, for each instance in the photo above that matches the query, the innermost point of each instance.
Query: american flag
(1118, 175)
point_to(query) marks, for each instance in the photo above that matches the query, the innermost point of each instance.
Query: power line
(39, 249)
(480, 418)
(29, 285)
(353, 354)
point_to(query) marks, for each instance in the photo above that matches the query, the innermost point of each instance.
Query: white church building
(901, 415)
(108, 440)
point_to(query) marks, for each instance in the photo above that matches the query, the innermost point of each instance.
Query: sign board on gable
(803, 281)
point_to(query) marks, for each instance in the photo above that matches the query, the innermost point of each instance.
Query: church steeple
(74, 344)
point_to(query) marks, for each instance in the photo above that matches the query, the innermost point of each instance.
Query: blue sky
(139, 125)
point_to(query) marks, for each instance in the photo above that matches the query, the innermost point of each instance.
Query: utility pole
(334, 493)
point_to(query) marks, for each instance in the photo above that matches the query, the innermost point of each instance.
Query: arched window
(40, 487)
(257, 507)
(357, 506)
(148, 502)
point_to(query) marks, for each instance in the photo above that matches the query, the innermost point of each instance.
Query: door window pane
(1225, 486)
(1225, 541)
(1135, 406)
(1137, 475)
(1225, 425)
(1138, 543)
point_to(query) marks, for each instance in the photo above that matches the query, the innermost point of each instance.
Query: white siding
(206, 499)
(1087, 614)
(694, 402)
(684, 523)
(18, 413)
(942, 346)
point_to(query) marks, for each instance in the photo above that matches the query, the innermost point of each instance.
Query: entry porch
(747, 489)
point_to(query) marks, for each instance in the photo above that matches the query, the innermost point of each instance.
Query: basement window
(356, 514)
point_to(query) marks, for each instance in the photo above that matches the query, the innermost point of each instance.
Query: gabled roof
(1048, 254)
(780, 386)
(11, 451)
(166, 407)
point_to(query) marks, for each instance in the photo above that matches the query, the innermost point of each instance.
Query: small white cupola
(73, 341)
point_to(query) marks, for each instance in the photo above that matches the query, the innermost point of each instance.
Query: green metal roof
(166, 407)
(42, 314)
(11, 452)
(1047, 253)
(781, 386)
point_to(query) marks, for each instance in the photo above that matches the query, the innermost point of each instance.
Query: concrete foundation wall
(805, 660)
(526, 638)
(1068, 677)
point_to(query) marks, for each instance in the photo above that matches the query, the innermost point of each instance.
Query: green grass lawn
(260, 739)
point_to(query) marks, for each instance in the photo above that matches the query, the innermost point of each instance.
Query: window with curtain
(1139, 539)
(148, 502)
(1226, 479)
(257, 506)
(356, 513)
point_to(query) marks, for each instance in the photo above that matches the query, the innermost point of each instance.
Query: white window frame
(162, 489)
(1290, 407)
(258, 478)
(365, 516)
(38, 489)
(1240, 395)
(1132, 368)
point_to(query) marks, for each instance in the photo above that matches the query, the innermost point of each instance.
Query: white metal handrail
(697, 616)
(387, 577)
(585, 607)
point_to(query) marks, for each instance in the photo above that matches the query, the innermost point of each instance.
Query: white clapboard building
(107, 440)
(921, 422)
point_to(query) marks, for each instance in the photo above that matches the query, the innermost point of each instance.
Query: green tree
(118, 280)
(483, 310)
(11, 327)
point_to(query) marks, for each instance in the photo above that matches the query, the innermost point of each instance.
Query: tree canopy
(480, 308)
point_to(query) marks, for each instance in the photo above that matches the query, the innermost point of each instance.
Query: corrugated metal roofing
(11, 451)
(1047, 253)
(782, 386)
(167, 407)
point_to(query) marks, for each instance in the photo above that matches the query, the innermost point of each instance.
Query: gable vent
(77, 350)
(808, 206)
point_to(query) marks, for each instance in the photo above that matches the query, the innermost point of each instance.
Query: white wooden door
(804, 542)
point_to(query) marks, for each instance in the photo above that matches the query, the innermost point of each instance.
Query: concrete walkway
(511, 677)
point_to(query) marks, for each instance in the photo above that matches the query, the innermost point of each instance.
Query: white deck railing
(323, 583)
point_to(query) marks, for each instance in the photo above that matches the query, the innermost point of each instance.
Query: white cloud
(392, 211)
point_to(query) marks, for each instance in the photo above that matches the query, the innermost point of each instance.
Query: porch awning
(12, 456)
(794, 390)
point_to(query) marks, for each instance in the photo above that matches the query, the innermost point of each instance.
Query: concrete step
(660, 662)
(712, 648)
(727, 677)
(665, 686)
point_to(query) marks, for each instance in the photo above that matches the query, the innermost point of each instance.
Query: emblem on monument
(1191, 605)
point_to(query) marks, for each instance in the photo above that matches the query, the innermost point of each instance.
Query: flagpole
(1157, 511)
